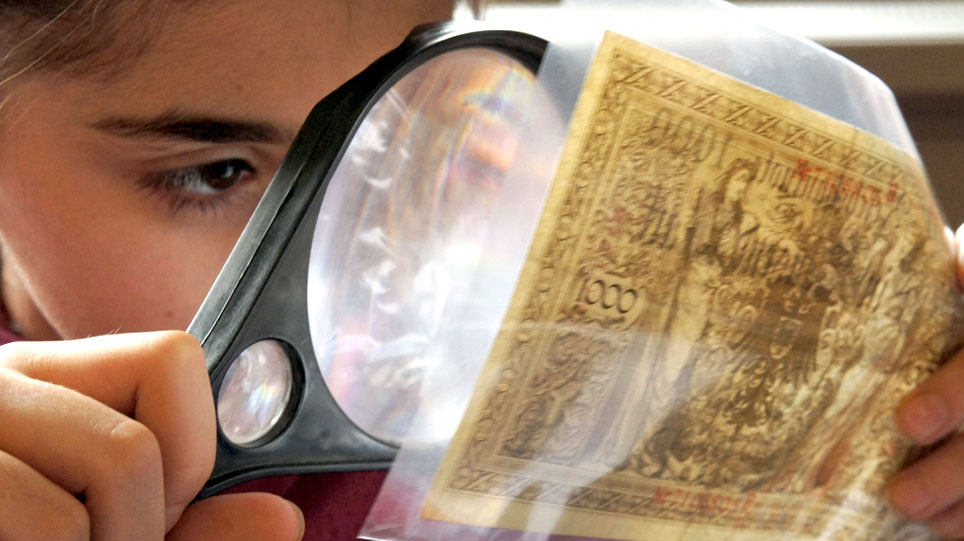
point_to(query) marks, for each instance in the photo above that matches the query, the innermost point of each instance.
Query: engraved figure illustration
(725, 299)
(759, 375)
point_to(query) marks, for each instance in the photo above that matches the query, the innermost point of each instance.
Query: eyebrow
(196, 128)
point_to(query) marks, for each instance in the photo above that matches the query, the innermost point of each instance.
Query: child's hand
(111, 438)
(932, 489)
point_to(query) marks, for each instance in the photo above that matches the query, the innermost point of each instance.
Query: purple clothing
(335, 504)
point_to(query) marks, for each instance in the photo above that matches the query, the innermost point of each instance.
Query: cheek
(98, 257)
(144, 276)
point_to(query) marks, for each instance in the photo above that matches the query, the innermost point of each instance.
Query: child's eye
(208, 179)
(201, 186)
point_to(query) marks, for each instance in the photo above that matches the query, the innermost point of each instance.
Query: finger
(86, 448)
(158, 378)
(936, 406)
(38, 508)
(242, 517)
(931, 484)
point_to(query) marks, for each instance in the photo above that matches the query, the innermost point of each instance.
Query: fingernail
(300, 518)
(923, 417)
(910, 498)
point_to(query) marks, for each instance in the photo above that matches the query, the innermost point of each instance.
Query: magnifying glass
(320, 325)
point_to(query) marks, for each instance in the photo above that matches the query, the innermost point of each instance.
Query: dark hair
(73, 36)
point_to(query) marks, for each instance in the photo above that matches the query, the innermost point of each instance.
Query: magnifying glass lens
(255, 393)
(400, 233)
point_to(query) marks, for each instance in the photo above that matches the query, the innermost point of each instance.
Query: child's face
(107, 220)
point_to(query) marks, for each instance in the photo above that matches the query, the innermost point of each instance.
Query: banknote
(726, 297)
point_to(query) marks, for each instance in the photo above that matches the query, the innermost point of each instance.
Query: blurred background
(915, 46)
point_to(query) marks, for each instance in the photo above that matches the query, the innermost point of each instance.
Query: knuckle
(133, 449)
(25, 357)
(178, 347)
(11, 354)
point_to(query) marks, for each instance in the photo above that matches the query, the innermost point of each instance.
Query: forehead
(226, 56)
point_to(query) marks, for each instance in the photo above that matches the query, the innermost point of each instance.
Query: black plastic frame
(261, 290)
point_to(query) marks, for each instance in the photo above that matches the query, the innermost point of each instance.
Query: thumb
(241, 517)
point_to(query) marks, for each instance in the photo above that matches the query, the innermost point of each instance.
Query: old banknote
(726, 297)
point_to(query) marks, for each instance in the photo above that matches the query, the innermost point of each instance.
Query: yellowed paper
(726, 297)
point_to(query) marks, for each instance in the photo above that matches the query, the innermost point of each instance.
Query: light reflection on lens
(400, 234)
(255, 391)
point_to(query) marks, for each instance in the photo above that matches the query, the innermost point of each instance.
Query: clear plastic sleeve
(733, 443)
